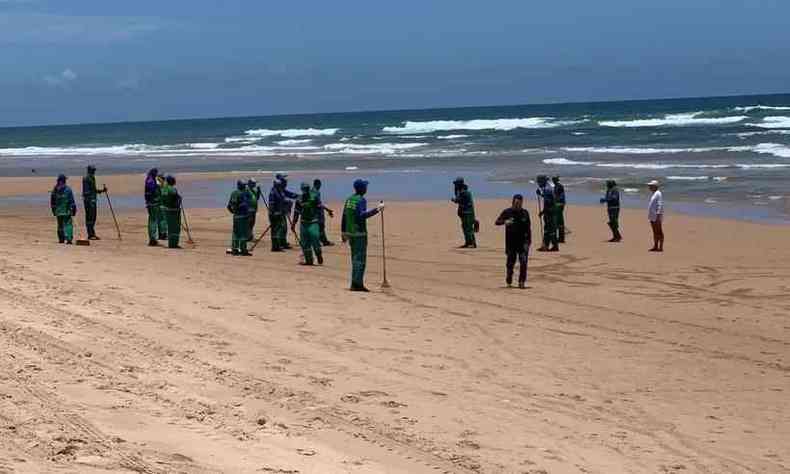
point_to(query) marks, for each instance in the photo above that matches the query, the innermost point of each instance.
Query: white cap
(653, 183)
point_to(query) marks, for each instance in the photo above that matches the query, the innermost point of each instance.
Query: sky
(80, 61)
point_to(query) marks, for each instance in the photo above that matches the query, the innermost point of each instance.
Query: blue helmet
(240, 185)
(360, 185)
(61, 178)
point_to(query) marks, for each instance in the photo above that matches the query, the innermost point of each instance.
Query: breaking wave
(750, 108)
(292, 132)
(478, 124)
(663, 166)
(640, 151)
(674, 120)
(774, 122)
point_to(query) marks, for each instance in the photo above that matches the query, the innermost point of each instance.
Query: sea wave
(766, 132)
(776, 149)
(478, 124)
(291, 132)
(774, 122)
(750, 108)
(376, 149)
(687, 178)
(663, 166)
(293, 142)
(451, 137)
(640, 151)
(674, 120)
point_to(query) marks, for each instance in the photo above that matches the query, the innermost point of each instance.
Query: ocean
(722, 156)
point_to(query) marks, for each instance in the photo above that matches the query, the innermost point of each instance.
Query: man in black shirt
(518, 239)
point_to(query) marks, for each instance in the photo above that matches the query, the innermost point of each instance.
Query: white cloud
(65, 77)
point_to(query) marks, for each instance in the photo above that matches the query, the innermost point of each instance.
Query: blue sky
(93, 61)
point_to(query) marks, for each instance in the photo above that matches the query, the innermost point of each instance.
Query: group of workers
(165, 210)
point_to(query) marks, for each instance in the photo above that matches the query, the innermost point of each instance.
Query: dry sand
(127, 358)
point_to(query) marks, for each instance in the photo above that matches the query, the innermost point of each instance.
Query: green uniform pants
(549, 229)
(173, 219)
(279, 228)
(310, 238)
(162, 224)
(253, 216)
(468, 228)
(559, 221)
(154, 216)
(241, 231)
(359, 258)
(65, 229)
(90, 216)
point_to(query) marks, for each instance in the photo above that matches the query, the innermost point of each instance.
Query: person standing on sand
(546, 193)
(518, 239)
(239, 206)
(89, 195)
(322, 215)
(63, 207)
(466, 212)
(559, 208)
(278, 212)
(162, 223)
(655, 214)
(255, 193)
(153, 202)
(308, 207)
(355, 231)
(612, 200)
(171, 205)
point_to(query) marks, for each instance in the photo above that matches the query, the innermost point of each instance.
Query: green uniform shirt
(255, 196)
(62, 201)
(89, 190)
(308, 207)
(239, 203)
(352, 225)
(171, 200)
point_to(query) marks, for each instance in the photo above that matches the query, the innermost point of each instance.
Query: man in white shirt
(655, 214)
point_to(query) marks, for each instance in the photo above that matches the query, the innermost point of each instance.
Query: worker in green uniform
(355, 231)
(162, 224)
(171, 203)
(63, 207)
(279, 210)
(153, 202)
(559, 209)
(466, 212)
(322, 215)
(255, 196)
(239, 206)
(89, 198)
(546, 195)
(307, 207)
(612, 201)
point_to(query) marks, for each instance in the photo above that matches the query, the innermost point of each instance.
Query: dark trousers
(559, 221)
(522, 257)
(252, 217)
(614, 221)
(90, 216)
(658, 233)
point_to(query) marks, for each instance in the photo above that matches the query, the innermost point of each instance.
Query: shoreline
(208, 190)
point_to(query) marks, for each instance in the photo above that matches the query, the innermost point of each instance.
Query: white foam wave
(293, 142)
(376, 149)
(687, 178)
(674, 120)
(775, 149)
(766, 132)
(774, 122)
(204, 146)
(478, 124)
(291, 132)
(663, 166)
(639, 151)
(750, 108)
(451, 137)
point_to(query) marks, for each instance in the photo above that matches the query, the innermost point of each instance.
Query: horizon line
(417, 109)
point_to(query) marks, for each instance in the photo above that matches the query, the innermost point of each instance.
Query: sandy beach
(120, 357)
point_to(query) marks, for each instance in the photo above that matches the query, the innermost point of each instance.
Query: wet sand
(120, 357)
